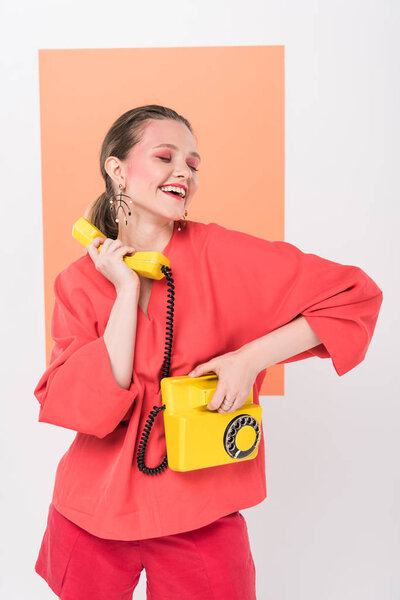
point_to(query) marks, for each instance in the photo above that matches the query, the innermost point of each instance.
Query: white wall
(329, 528)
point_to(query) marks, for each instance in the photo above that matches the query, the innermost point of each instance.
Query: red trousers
(213, 562)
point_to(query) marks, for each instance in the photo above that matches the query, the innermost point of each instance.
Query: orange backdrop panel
(234, 98)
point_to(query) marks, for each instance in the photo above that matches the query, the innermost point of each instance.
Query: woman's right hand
(109, 261)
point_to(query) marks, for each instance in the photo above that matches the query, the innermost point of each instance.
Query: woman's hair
(123, 134)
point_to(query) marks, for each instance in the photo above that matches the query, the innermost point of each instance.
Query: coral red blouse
(230, 288)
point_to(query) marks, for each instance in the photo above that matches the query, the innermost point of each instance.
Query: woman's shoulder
(219, 237)
(80, 267)
(204, 228)
(83, 273)
(212, 230)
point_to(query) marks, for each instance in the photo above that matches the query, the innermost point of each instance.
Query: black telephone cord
(164, 373)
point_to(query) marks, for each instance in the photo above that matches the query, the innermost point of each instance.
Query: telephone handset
(195, 437)
(147, 264)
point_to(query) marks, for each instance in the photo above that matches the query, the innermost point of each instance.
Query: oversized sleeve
(78, 389)
(266, 284)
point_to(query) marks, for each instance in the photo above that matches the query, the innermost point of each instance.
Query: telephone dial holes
(241, 436)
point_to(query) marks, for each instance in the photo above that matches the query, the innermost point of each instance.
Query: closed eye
(168, 160)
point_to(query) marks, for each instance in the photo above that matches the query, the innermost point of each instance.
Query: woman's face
(151, 165)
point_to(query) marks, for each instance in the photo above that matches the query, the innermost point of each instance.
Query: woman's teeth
(171, 188)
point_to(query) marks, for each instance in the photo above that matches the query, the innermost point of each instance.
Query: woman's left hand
(236, 377)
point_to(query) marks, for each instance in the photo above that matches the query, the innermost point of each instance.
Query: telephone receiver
(147, 264)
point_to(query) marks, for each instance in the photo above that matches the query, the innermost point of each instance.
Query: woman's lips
(171, 194)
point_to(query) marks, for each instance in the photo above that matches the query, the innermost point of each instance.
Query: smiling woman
(151, 152)
(104, 372)
(149, 162)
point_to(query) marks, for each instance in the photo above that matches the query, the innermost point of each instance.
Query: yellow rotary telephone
(195, 437)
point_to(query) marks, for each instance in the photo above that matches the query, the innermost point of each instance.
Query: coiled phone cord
(164, 373)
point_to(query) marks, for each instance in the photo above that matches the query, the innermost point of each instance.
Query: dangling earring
(183, 223)
(120, 202)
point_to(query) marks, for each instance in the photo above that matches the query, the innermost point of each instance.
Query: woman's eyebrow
(176, 148)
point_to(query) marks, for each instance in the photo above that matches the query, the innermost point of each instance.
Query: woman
(242, 304)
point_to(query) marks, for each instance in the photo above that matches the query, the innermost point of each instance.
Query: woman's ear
(115, 170)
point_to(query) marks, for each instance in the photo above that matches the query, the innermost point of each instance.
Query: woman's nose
(183, 169)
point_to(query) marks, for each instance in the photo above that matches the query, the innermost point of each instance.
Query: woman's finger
(115, 244)
(95, 243)
(125, 250)
(92, 248)
(218, 397)
(227, 405)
